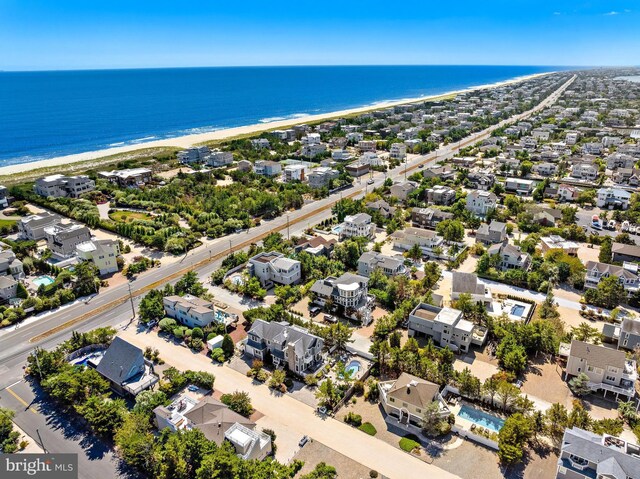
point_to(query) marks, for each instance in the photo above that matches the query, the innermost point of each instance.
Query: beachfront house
(129, 178)
(267, 168)
(32, 227)
(60, 186)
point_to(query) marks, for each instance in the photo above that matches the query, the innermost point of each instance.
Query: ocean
(54, 113)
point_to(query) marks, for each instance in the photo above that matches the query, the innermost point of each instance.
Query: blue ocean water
(48, 114)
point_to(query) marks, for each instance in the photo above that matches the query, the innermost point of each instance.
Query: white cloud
(611, 13)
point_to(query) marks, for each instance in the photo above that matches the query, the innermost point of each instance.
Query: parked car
(303, 441)
(329, 318)
(421, 165)
(370, 182)
(315, 310)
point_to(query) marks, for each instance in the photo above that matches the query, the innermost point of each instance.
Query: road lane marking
(10, 385)
(22, 401)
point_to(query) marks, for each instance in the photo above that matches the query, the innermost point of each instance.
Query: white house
(613, 198)
(189, 310)
(357, 225)
(481, 202)
(274, 267)
(103, 253)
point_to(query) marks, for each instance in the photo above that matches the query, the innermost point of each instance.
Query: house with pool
(285, 345)
(408, 397)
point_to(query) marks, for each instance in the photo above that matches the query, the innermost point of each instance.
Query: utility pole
(287, 227)
(35, 353)
(230, 248)
(133, 309)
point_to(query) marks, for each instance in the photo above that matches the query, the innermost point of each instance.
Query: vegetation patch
(128, 216)
(409, 443)
(369, 429)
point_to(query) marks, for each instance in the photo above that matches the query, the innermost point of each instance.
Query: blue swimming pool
(517, 310)
(354, 367)
(481, 418)
(44, 280)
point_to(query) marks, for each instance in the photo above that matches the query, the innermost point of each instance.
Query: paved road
(112, 306)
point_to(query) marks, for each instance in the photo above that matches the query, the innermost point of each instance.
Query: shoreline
(186, 141)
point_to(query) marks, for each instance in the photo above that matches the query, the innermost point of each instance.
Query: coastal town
(433, 289)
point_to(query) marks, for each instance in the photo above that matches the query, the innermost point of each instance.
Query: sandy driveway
(288, 416)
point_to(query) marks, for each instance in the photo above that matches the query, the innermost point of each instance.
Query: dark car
(303, 441)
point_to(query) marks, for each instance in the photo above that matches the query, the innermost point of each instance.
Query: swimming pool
(336, 229)
(44, 280)
(353, 367)
(481, 418)
(517, 310)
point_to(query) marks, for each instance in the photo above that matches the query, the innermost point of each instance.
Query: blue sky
(77, 34)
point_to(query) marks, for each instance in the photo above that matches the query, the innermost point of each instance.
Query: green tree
(586, 333)
(322, 471)
(468, 384)
(277, 378)
(328, 394)
(579, 417)
(557, 421)
(227, 346)
(189, 284)
(8, 437)
(606, 255)
(104, 415)
(580, 385)
(507, 393)
(513, 437)
(238, 401)
(451, 230)
(134, 441)
(415, 253)
(151, 307)
(148, 400)
(87, 279)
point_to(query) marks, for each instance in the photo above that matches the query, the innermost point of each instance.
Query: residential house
(468, 283)
(429, 217)
(592, 148)
(341, 155)
(511, 257)
(367, 145)
(260, 143)
(322, 176)
(288, 346)
(295, 173)
(102, 253)
(440, 195)
(540, 134)
(219, 158)
(312, 150)
(315, 246)
(481, 202)
(217, 423)
(349, 291)
(402, 189)
(311, 139)
(427, 240)
(274, 268)
(584, 171)
(620, 160)
(382, 207)
(545, 169)
(613, 198)
(568, 193)
(62, 239)
(245, 165)
(60, 186)
(8, 288)
(10, 265)
(443, 172)
(626, 176)
(32, 227)
(558, 242)
(408, 398)
(481, 180)
(586, 455)
(495, 232)
(520, 186)
(398, 151)
(625, 252)
(625, 335)
(4, 196)
(189, 310)
(370, 261)
(571, 138)
(125, 367)
(608, 369)
(357, 225)
(357, 168)
(445, 326)
(129, 178)
(596, 271)
(193, 155)
(267, 168)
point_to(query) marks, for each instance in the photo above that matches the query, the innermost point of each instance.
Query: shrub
(409, 443)
(368, 428)
(353, 419)
(217, 354)
(373, 474)
(358, 387)
(311, 380)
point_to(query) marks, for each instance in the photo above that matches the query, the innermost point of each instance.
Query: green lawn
(126, 216)
(368, 428)
(409, 443)
(7, 223)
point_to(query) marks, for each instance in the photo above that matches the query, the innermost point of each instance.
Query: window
(610, 378)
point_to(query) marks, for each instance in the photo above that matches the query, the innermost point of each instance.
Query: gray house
(32, 227)
(495, 232)
(287, 345)
(511, 257)
(125, 367)
(429, 217)
(390, 266)
(626, 335)
(585, 455)
(63, 239)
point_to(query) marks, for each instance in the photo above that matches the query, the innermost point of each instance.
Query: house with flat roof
(32, 227)
(469, 283)
(60, 186)
(189, 310)
(608, 369)
(62, 239)
(357, 225)
(125, 367)
(358, 168)
(398, 151)
(440, 195)
(481, 202)
(194, 155)
(128, 178)
(427, 240)
(370, 261)
(494, 232)
(445, 326)
(322, 176)
(315, 246)
(349, 292)
(558, 242)
(274, 268)
(102, 253)
(218, 158)
(267, 168)
(520, 186)
(596, 271)
(586, 455)
(408, 397)
(288, 346)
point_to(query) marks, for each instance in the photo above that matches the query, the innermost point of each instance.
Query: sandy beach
(194, 139)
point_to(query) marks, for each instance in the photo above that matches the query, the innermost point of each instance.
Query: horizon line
(567, 67)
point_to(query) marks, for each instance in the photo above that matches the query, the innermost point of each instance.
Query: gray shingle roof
(118, 360)
(598, 356)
